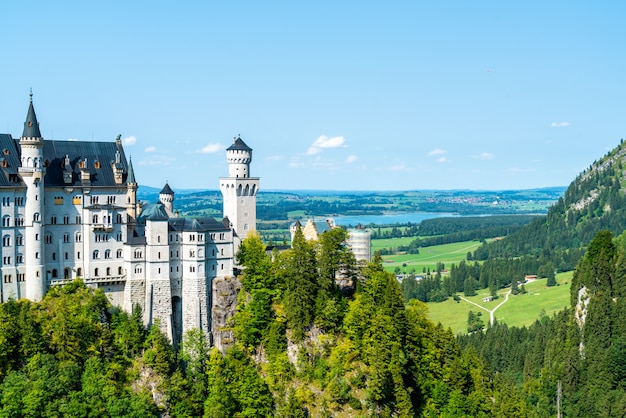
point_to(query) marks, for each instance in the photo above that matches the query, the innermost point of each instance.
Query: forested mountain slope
(594, 201)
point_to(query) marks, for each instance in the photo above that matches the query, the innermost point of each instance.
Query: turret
(32, 172)
(166, 196)
(131, 194)
(239, 190)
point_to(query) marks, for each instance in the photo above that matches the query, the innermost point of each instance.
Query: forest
(306, 346)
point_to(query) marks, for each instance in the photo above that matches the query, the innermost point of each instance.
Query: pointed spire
(131, 172)
(31, 126)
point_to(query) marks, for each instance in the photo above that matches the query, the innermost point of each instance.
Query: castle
(70, 210)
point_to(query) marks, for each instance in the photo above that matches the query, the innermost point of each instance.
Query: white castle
(69, 210)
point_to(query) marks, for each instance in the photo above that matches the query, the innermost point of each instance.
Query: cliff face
(225, 291)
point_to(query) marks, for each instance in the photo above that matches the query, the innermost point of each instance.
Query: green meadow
(520, 310)
(427, 258)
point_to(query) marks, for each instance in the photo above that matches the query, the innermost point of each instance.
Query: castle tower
(166, 196)
(131, 194)
(239, 190)
(32, 172)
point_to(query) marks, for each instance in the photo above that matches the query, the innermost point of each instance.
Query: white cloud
(351, 159)
(398, 167)
(157, 160)
(325, 142)
(437, 151)
(150, 149)
(442, 160)
(211, 149)
(129, 140)
(559, 124)
(483, 156)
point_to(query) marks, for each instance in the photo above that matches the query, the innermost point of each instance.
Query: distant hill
(594, 201)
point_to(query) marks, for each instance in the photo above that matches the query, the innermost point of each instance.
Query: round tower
(32, 173)
(166, 196)
(239, 190)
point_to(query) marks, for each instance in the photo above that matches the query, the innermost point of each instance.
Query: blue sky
(330, 95)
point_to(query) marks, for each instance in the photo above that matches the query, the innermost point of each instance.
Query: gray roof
(167, 190)
(153, 212)
(97, 154)
(131, 172)
(196, 224)
(31, 126)
(239, 145)
(9, 162)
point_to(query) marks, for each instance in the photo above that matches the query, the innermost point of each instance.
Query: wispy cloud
(212, 148)
(442, 160)
(325, 142)
(150, 149)
(483, 156)
(351, 159)
(129, 140)
(437, 151)
(157, 160)
(399, 167)
(559, 124)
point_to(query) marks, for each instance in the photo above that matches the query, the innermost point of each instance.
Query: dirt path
(492, 318)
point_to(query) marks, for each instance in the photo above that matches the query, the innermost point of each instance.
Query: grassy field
(520, 310)
(428, 256)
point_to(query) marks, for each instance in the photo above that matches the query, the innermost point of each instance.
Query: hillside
(594, 201)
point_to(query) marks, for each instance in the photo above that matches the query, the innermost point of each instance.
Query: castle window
(53, 220)
(96, 272)
(158, 238)
(6, 201)
(21, 277)
(6, 241)
(138, 254)
(66, 273)
(119, 253)
(213, 252)
(78, 237)
(94, 219)
(192, 269)
(108, 271)
(19, 221)
(222, 236)
(222, 252)
(213, 267)
(79, 272)
(19, 240)
(55, 273)
(66, 220)
(77, 200)
(67, 255)
(48, 239)
(245, 227)
(6, 261)
(19, 259)
(97, 165)
(54, 256)
(192, 237)
(19, 201)
(8, 278)
(36, 217)
(36, 237)
(6, 220)
(120, 270)
(58, 200)
(96, 254)
(66, 237)
(199, 253)
(192, 253)
(107, 254)
(78, 255)
(138, 269)
(79, 220)
(119, 218)
(159, 255)
(37, 255)
(221, 266)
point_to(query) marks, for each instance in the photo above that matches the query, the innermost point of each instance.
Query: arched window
(55, 273)
(138, 269)
(96, 272)
(108, 271)
(66, 273)
(96, 254)
(138, 253)
(120, 270)
(6, 241)
(94, 219)
(119, 253)
(107, 254)
(6, 220)
(79, 272)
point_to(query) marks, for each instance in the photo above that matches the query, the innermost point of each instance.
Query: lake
(390, 218)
